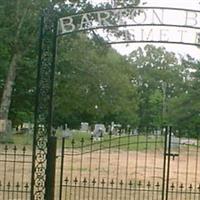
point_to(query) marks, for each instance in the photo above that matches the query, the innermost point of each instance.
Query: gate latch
(173, 155)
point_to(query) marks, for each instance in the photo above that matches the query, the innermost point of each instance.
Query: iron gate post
(61, 168)
(168, 159)
(36, 113)
(164, 163)
(51, 168)
(44, 104)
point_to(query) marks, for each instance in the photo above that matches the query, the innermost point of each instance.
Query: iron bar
(40, 52)
(99, 164)
(164, 163)
(90, 162)
(81, 167)
(61, 168)
(169, 132)
(51, 168)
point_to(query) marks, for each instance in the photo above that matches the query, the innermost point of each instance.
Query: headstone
(100, 126)
(112, 127)
(128, 128)
(84, 126)
(186, 141)
(109, 129)
(66, 133)
(135, 132)
(157, 132)
(5, 126)
(27, 127)
(99, 131)
(115, 128)
(97, 134)
(2, 126)
(174, 141)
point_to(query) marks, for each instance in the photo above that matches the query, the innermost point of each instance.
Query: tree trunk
(8, 88)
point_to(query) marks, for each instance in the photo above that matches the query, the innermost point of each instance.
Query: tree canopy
(94, 83)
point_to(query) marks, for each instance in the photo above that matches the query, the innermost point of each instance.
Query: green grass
(82, 140)
(17, 139)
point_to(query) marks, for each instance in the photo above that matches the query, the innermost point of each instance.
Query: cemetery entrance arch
(55, 24)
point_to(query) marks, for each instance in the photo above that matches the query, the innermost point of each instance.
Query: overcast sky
(179, 49)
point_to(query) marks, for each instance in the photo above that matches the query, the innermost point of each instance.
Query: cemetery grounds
(123, 167)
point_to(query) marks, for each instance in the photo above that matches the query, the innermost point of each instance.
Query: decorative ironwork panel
(143, 164)
(44, 96)
(113, 166)
(151, 179)
(15, 170)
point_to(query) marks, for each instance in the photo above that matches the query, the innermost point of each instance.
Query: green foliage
(93, 84)
(158, 80)
(185, 106)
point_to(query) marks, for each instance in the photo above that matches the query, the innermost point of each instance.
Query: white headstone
(84, 126)
(27, 127)
(99, 131)
(99, 127)
(135, 132)
(174, 141)
(66, 133)
(2, 125)
(115, 128)
(157, 132)
(5, 126)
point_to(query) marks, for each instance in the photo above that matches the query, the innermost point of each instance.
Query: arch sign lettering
(139, 24)
(136, 24)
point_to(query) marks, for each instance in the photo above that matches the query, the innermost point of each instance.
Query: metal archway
(52, 27)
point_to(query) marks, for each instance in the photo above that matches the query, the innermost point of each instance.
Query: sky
(178, 49)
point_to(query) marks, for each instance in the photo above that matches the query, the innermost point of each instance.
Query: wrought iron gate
(182, 164)
(149, 182)
(149, 165)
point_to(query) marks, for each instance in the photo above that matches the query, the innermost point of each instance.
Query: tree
(93, 84)
(19, 32)
(18, 50)
(184, 107)
(155, 67)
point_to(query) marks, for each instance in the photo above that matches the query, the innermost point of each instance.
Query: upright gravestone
(115, 128)
(2, 126)
(109, 129)
(135, 132)
(5, 126)
(65, 127)
(174, 142)
(27, 127)
(99, 131)
(157, 132)
(66, 133)
(84, 126)
(100, 126)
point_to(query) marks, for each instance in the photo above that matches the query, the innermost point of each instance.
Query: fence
(15, 172)
(148, 164)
